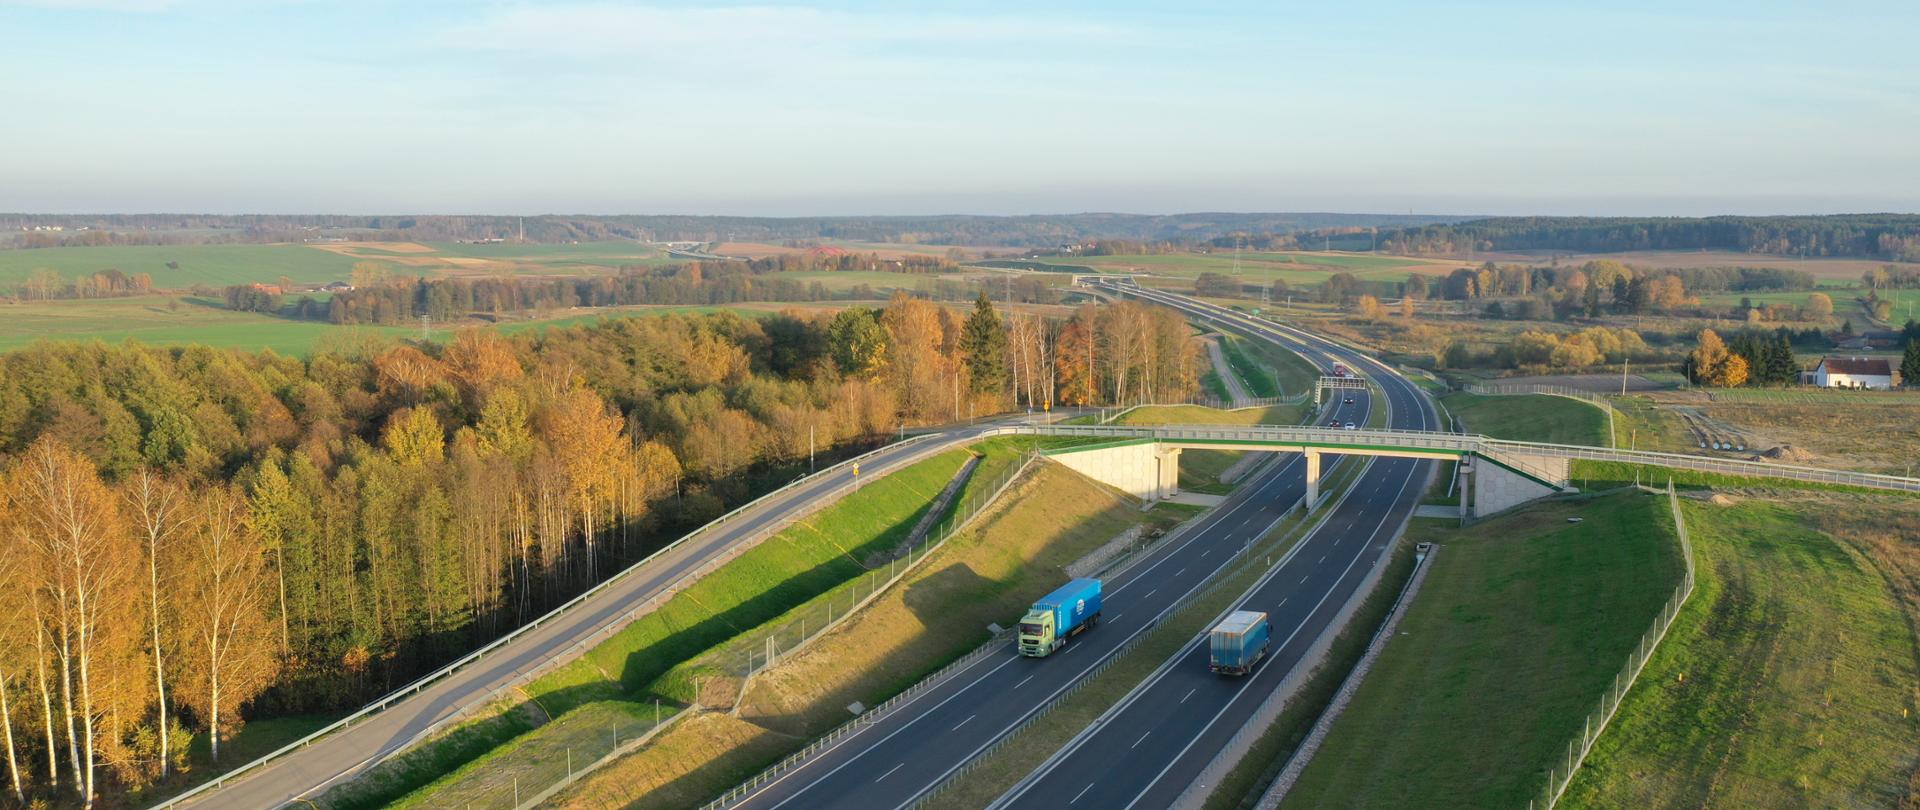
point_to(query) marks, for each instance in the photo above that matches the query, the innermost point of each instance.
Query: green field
(1522, 623)
(221, 265)
(1786, 682)
(214, 265)
(162, 320)
(167, 320)
(1530, 418)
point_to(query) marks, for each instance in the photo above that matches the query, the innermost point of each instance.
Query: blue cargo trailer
(1059, 616)
(1238, 642)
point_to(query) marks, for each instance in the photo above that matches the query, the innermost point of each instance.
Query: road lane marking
(1136, 743)
(891, 770)
(966, 721)
(1283, 603)
(1323, 558)
(1179, 572)
(1183, 698)
(1083, 792)
(1154, 591)
(1023, 682)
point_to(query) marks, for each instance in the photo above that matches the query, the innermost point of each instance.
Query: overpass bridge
(1497, 474)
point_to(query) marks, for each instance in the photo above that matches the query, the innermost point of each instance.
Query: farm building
(1853, 372)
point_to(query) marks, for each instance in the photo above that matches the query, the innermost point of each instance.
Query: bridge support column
(1313, 478)
(1167, 471)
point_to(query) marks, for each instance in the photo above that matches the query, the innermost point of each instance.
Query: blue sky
(989, 107)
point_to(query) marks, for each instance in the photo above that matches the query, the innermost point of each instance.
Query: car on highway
(1348, 401)
(1352, 426)
(1333, 423)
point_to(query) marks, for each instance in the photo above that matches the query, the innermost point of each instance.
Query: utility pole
(1624, 364)
(810, 450)
(426, 330)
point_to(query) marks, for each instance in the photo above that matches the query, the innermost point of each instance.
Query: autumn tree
(157, 508)
(80, 558)
(1819, 307)
(1368, 308)
(227, 650)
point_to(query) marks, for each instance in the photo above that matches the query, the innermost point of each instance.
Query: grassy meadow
(1530, 418)
(1522, 623)
(1789, 678)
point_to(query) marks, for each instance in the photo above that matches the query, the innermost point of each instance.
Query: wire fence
(787, 635)
(756, 656)
(1559, 776)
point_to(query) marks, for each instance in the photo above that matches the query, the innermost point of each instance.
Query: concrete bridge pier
(1313, 477)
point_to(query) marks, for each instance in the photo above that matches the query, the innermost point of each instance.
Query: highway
(307, 771)
(905, 754)
(1150, 746)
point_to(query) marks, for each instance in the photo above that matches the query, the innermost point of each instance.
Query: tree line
(1892, 236)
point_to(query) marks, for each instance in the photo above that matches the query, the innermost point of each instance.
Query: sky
(1615, 108)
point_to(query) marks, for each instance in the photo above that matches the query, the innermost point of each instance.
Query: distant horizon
(1463, 217)
(844, 107)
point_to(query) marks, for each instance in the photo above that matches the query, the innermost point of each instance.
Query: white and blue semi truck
(1058, 616)
(1238, 642)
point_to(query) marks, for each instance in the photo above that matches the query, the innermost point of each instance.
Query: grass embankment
(1200, 470)
(1597, 475)
(623, 674)
(987, 574)
(1531, 418)
(1521, 624)
(1202, 415)
(1789, 679)
(1259, 381)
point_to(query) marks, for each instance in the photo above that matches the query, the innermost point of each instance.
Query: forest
(383, 298)
(1889, 236)
(198, 538)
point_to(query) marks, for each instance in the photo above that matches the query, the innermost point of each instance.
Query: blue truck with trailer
(1238, 642)
(1058, 616)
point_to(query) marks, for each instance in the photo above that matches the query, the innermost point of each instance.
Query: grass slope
(623, 673)
(1521, 624)
(1531, 418)
(989, 573)
(1787, 681)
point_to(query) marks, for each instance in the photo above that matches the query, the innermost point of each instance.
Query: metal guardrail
(424, 681)
(1596, 722)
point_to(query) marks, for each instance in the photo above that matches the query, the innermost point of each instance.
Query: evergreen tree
(1782, 369)
(985, 345)
(1910, 364)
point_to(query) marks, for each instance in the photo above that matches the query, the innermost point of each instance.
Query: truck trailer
(1059, 616)
(1238, 642)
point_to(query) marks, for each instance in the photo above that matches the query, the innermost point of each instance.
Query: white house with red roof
(1853, 372)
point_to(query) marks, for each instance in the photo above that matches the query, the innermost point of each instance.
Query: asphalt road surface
(902, 756)
(1153, 744)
